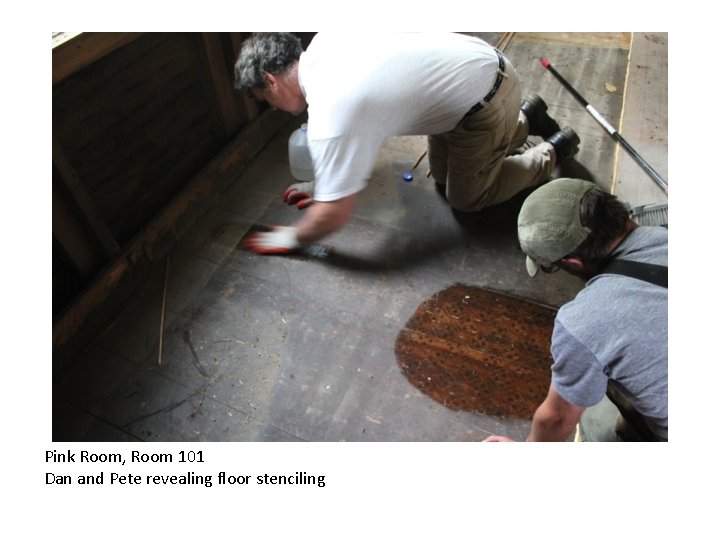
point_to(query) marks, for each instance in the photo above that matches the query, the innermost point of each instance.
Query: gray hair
(265, 53)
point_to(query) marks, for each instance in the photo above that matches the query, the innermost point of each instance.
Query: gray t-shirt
(616, 329)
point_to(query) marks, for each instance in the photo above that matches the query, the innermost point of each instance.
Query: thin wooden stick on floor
(504, 41)
(162, 309)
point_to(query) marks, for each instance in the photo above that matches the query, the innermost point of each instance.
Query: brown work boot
(539, 122)
(566, 143)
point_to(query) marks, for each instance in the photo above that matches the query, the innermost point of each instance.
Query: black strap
(652, 273)
(498, 81)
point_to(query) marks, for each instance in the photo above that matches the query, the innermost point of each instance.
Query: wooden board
(644, 122)
(72, 51)
(581, 39)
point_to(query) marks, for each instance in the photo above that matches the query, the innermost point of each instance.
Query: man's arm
(320, 219)
(554, 419)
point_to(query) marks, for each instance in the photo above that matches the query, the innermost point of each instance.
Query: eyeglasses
(549, 269)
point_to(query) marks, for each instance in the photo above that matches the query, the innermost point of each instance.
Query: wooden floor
(302, 348)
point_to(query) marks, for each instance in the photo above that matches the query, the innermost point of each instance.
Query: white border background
(424, 490)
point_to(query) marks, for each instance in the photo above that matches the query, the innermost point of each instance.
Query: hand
(277, 241)
(498, 438)
(300, 194)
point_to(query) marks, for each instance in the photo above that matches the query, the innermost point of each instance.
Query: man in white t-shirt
(359, 90)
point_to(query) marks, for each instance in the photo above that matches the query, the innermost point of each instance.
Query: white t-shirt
(362, 89)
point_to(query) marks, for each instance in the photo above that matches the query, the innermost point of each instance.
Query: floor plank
(644, 122)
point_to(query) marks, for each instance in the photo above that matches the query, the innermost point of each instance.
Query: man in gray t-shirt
(612, 338)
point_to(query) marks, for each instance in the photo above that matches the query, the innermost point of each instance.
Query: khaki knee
(464, 203)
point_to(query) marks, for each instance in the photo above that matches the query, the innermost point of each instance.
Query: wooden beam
(71, 55)
(219, 82)
(154, 240)
(83, 202)
(72, 236)
(250, 107)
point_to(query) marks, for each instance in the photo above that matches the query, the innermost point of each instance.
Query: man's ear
(270, 80)
(572, 262)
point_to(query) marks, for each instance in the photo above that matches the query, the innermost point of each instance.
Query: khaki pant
(474, 160)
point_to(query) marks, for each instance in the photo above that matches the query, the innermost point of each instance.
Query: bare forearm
(554, 420)
(323, 218)
(549, 429)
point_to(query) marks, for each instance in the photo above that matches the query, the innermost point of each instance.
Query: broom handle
(606, 125)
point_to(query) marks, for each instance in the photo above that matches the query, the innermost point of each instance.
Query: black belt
(500, 76)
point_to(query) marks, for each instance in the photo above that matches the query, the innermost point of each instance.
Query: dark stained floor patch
(478, 350)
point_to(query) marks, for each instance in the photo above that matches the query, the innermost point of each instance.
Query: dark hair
(265, 53)
(606, 217)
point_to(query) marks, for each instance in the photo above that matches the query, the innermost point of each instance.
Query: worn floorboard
(644, 122)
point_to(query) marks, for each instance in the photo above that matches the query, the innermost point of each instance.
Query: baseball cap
(549, 224)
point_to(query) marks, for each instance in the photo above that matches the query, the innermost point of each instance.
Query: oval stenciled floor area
(479, 350)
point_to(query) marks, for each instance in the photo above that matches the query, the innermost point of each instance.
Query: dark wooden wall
(135, 124)
(138, 122)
